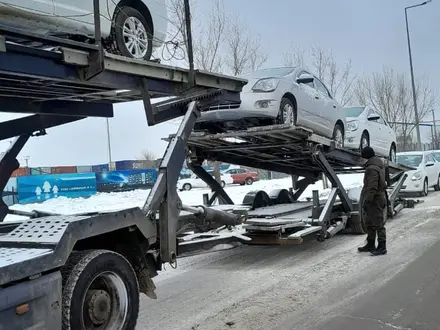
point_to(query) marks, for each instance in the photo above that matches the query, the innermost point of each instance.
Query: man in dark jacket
(374, 203)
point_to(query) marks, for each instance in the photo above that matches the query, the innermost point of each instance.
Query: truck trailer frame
(51, 262)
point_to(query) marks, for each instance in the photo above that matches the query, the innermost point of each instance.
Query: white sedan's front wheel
(338, 136)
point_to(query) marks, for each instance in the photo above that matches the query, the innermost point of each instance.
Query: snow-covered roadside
(122, 200)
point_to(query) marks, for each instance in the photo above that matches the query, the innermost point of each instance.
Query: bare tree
(322, 63)
(209, 39)
(390, 93)
(147, 155)
(175, 48)
(243, 51)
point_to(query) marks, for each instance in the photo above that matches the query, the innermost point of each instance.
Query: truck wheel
(100, 291)
(249, 181)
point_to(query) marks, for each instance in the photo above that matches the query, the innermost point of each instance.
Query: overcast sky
(370, 32)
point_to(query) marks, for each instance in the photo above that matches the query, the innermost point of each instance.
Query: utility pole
(26, 158)
(109, 146)
(435, 130)
(416, 112)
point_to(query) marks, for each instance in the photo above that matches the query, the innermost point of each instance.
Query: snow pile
(136, 198)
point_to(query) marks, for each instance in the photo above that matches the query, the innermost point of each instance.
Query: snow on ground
(123, 200)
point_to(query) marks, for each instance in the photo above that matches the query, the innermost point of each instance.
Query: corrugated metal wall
(63, 169)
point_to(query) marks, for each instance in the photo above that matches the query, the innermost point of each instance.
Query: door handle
(316, 97)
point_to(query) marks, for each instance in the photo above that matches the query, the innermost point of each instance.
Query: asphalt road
(325, 285)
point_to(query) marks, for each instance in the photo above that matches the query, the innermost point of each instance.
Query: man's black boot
(381, 249)
(369, 247)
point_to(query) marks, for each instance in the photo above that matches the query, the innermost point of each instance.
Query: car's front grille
(226, 106)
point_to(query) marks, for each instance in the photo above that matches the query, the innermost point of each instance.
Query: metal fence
(413, 147)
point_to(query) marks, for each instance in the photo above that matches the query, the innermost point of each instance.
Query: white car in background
(131, 28)
(425, 175)
(436, 154)
(286, 95)
(195, 182)
(366, 127)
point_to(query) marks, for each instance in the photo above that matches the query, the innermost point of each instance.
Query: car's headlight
(352, 125)
(416, 176)
(266, 85)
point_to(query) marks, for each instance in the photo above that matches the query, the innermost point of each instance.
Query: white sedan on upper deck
(366, 127)
(132, 28)
(290, 95)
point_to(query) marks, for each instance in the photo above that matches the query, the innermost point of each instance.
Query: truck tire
(100, 290)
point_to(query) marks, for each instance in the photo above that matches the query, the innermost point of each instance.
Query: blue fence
(38, 188)
(125, 180)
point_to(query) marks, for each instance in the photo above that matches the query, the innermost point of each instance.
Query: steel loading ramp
(280, 148)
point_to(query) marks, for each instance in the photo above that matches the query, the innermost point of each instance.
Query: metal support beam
(218, 190)
(56, 107)
(301, 186)
(31, 124)
(394, 194)
(328, 208)
(8, 164)
(96, 57)
(163, 196)
(320, 159)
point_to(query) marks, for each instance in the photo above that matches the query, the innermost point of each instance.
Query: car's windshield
(274, 72)
(353, 111)
(436, 155)
(410, 160)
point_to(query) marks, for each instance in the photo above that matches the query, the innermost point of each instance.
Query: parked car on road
(195, 182)
(425, 175)
(366, 127)
(131, 28)
(286, 95)
(242, 176)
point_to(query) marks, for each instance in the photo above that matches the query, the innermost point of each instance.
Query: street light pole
(109, 145)
(435, 130)
(416, 112)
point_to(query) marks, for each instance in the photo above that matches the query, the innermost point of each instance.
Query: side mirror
(429, 164)
(305, 79)
(373, 117)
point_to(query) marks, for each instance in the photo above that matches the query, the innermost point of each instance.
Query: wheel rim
(135, 37)
(187, 187)
(339, 139)
(364, 142)
(105, 302)
(393, 155)
(288, 114)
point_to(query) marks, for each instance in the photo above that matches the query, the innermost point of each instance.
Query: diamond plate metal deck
(42, 244)
(9, 256)
(43, 230)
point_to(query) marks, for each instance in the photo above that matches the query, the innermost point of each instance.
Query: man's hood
(376, 161)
